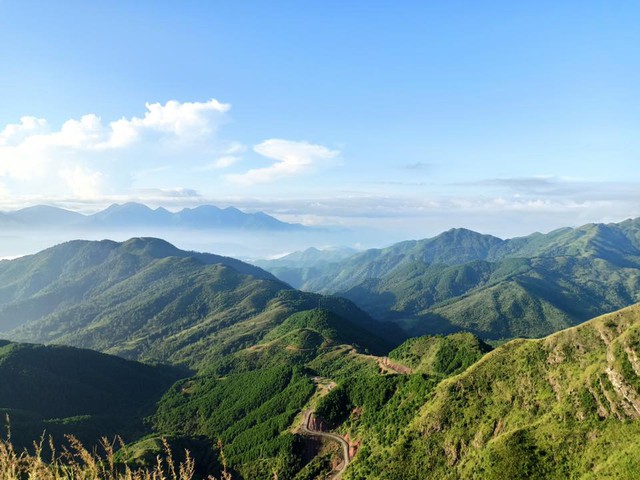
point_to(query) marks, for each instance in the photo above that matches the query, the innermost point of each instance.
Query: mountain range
(232, 353)
(298, 268)
(462, 280)
(129, 215)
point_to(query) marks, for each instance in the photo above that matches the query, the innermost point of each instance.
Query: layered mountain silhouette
(128, 215)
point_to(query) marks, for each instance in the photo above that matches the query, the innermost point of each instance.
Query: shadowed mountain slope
(67, 390)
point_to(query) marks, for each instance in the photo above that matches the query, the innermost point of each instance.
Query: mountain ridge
(144, 299)
(462, 280)
(563, 406)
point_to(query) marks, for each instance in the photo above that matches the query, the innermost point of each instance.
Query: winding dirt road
(332, 436)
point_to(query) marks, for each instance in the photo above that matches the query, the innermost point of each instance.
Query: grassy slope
(566, 406)
(301, 338)
(440, 355)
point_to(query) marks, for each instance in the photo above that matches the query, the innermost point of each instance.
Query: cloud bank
(85, 154)
(171, 146)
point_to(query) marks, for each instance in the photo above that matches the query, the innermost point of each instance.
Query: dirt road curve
(332, 436)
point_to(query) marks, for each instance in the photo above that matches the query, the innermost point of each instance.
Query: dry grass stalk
(77, 463)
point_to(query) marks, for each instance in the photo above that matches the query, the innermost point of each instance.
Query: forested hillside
(65, 390)
(498, 289)
(146, 300)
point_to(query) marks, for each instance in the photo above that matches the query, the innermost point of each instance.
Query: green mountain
(301, 338)
(250, 339)
(566, 406)
(262, 353)
(462, 280)
(66, 390)
(440, 355)
(146, 300)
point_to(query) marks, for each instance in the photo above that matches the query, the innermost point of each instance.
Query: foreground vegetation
(76, 462)
(249, 412)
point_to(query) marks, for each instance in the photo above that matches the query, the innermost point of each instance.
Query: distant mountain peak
(136, 215)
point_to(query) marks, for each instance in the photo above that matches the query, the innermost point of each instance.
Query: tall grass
(76, 462)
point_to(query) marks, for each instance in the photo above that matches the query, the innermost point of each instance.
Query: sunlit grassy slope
(566, 406)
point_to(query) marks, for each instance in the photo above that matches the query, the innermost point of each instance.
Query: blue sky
(406, 116)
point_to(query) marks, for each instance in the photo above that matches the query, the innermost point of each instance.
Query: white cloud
(82, 182)
(187, 120)
(292, 158)
(16, 133)
(32, 152)
(226, 161)
(221, 163)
